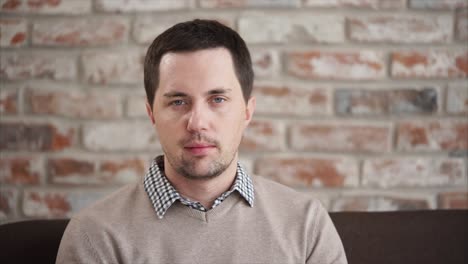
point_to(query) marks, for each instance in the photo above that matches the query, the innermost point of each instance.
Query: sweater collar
(163, 194)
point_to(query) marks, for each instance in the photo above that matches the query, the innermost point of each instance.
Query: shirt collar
(162, 194)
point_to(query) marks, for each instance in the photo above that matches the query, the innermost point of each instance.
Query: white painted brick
(113, 67)
(414, 172)
(68, 7)
(136, 106)
(38, 64)
(141, 5)
(342, 3)
(265, 63)
(402, 28)
(337, 65)
(282, 28)
(118, 136)
(457, 99)
(147, 28)
(13, 32)
(248, 3)
(47, 203)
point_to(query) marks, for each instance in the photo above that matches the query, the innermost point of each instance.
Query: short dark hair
(197, 35)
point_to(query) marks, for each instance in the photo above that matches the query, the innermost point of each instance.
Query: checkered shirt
(162, 194)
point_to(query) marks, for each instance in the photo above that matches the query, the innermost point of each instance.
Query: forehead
(198, 70)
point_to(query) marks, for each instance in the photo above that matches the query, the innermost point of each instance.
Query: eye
(178, 102)
(218, 100)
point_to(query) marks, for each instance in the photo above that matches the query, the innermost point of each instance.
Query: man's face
(199, 112)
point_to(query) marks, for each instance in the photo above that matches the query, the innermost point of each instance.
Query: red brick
(43, 204)
(8, 203)
(461, 26)
(437, 4)
(429, 64)
(340, 137)
(309, 172)
(284, 28)
(37, 64)
(453, 200)
(147, 27)
(264, 135)
(74, 103)
(134, 135)
(376, 102)
(46, 6)
(361, 102)
(70, 170)
(265, 63)
(21, 170)
(413, 172)
(14, 32)
(379, 203)
(432, 135)
(401, 28)
(36, 136)
(82, 170)
(247, 3)
(296, 100)
(328, 65)
(122, 170)
(113, 67)
(50, 203)
(80, 32)
(457, 99)
(140, 5)
(8, 101)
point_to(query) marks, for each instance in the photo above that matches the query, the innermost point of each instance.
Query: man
(197, 204)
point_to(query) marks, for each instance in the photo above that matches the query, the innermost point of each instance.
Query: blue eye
(177, 102)
(218, 100)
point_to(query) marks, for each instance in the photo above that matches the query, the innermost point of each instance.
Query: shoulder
(115, 206)
(281, 196)
(91, 234)
(265, 186)
(288, 207)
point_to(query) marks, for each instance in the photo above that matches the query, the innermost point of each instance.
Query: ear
(150, 112)
(249, 110)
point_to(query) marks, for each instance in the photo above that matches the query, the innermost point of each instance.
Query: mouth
(199, 149)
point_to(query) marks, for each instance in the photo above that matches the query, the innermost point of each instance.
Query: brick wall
(362, 103)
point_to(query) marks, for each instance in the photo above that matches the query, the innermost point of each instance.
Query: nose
(197, 120)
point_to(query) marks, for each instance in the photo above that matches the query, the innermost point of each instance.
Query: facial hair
(186, 166)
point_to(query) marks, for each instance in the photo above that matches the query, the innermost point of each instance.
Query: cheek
(234, 129)
(165, 128)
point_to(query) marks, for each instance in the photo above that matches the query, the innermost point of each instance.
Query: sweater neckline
(213, 214)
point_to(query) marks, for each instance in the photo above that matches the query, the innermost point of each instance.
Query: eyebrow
(210, 92)
(175, 94)
(218, 91)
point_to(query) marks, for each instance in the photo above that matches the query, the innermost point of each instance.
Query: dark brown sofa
(425, 237)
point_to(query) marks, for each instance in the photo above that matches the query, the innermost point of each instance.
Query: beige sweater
(283, 226)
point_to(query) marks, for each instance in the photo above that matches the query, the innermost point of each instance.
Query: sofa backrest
(32, 241)
(428, 237)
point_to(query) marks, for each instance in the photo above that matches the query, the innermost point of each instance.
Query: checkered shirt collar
(162, 194)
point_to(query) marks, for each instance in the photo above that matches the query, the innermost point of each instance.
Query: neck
(204, 191)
